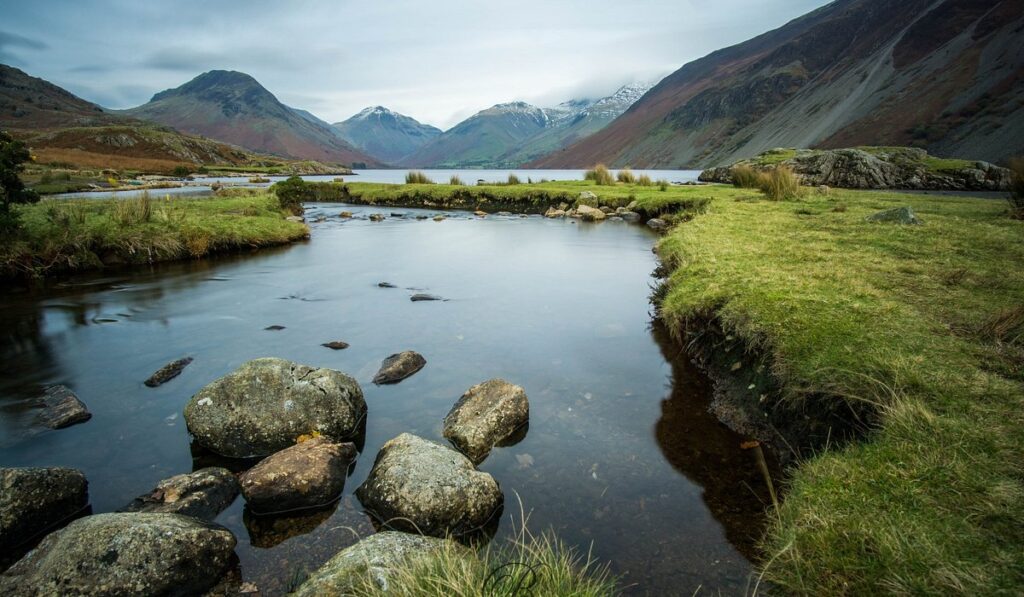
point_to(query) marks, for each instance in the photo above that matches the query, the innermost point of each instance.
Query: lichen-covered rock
(307, 475)
(201, 494)
(375, 557)
(590, 214)
(399, 366)
(587, 198)
(266, 404)
(420, 486)
(485, 415)
(33, 500)
(898, 215)
(62, 408)
(124, 554)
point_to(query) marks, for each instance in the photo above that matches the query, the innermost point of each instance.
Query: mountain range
(386, 135)
(945, 75)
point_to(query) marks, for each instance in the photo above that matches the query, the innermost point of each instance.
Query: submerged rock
(424, 297)
(310, 474)
(267, 531)
(385, 285)
(898, 215)
(484, 416)
(124, 554)
(375, 556)
(266, 404)
(629, 216)
(345, 214)
(376, 217)
(274, 328)
(33, 500)
(62, 408)
(420, 486)
(168, 372)
(336, 345)
(399, 366)
(590, 214)
(201, 494)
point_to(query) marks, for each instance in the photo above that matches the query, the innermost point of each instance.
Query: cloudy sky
(438, 61)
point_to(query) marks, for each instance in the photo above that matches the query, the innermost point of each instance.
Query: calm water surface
(620, 453)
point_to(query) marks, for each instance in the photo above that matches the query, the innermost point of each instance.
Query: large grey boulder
(62, 408)
(124, 554)
(399, 366)
(202, 494)
(33, 500)
(897, 215)
(484, 416)
(373, 558)
(420, 486)
(307, 475)
(266, 404)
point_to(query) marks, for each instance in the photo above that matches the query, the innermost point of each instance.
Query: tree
(12, 155)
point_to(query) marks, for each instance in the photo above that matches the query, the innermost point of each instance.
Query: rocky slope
(944, 75)
(875, 168)
(385, 135)
(233, 107)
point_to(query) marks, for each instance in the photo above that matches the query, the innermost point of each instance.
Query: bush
(291, 193)
(181, 171)
(644, 181)
(456, 181)
(745, 177)
(780, 184)
(600, 175)
(626, 175)
(417, 177)
(513, 179)
(12, 155)
(1017, 188)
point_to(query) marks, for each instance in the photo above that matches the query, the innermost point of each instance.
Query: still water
(201, 185)
(621, 454)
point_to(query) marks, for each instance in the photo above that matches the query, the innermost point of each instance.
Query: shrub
(780, 184)
(181, 171)
(600, 175)
(662, 184)
(417, 177)
(626, 175)
(1017, 188)
(513, 179)
(644, 181)
(13, 154)
(745, 177)
(456, 181)
(291, 193)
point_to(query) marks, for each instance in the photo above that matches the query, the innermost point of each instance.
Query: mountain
(508, 135)
(943, 75)
(385, 135)
(30, 103)
(233, 107)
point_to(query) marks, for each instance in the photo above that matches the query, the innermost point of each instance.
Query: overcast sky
(438, 61)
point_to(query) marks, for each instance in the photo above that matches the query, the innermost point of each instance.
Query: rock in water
(630, 216)
(307, 475)
(201, 494)
(657, 224)
(420, 486)
(266, 404)
(376, 556)
(486, 414)
(397, 367)
(424, 297)
(386, 285)
(168, 372)
(62, 408)
(336, 345)
(274, 328)
(124, 554)
(33, 500)
(898, 215)
(590, 214)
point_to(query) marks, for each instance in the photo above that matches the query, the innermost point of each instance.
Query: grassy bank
(914, 334)
(59, 235)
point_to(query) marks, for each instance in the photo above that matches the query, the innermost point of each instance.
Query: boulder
(62, 408)
(587, 198)
(375, 557)
(33, 500)
(168, 372)
(309, 474)
(376, 217)
(397, 367)
(897, 215)
(480, 213)
(485, 415)
(630, 216)
(439, 218)
(266, 404)
(607, 210)
(590, 214)
(124, 554)
(345, 214)
(420, 486)
(554, 213)
(201, 494)
(657, 224)
(335, 345)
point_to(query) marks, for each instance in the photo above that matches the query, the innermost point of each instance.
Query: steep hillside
(31, 103)
(385, 135)
(944, 75)
(233, 107)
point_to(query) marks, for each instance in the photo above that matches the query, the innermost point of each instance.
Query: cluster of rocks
(300, 419)
(588, 209)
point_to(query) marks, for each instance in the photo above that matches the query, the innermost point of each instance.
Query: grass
(745, 177)
(417, 177)
(63, 235)
(626, 176)
(599, 175)
(780, 184)
(455, 181)
(917, 329)
(1016, 197)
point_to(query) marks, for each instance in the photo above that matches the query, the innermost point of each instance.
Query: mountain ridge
(385, 134)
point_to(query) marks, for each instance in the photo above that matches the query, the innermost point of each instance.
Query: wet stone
(201, 494)
(310, 474)
(484, 416)
(399, 366)
(33, 500)
(62, 408)
(424, 297)
(335, 345)
(168, 372)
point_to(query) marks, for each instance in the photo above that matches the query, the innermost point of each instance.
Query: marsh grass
(915, 326)
(745, 177)
(644, 181)
(626, 176)
(662, 184)
(513, 179)
(417, 177)
(133, 210)
(599, 175)
(780, 184)
(455, 181)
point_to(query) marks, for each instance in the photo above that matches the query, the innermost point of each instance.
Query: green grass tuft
(456, 181)
(599, 175)
(417, 177)
(513, 179)
(626, 176)
(780, 184)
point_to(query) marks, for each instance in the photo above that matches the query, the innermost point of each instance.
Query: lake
(621, 455)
